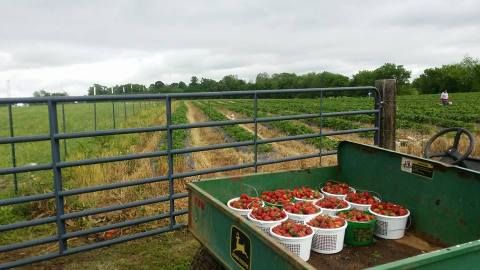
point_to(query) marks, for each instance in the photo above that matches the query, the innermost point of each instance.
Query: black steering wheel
(451, 154)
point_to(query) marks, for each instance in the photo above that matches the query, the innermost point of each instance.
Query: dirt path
(283, 149)
(208, 136)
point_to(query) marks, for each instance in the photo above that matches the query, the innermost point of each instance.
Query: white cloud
(68, 45)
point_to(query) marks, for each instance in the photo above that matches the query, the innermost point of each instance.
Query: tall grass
(92, 175)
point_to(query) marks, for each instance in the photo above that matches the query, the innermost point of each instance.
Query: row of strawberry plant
(288, 127)
(179, 116)
(235, 132)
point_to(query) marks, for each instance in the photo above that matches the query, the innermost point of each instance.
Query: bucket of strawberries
(244, 204)
(361, 200)
(331, 205)
(392, 219)
(266, 217)
(277, 197)
(329, 232)
(336, 189)
(361, 225)
(294, 236)
(307, 194)
(300, 211)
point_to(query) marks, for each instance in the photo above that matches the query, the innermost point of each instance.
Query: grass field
(418, 118)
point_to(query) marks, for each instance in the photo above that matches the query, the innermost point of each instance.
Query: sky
(69, 45)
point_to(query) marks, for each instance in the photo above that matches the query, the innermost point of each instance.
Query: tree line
(463, 76)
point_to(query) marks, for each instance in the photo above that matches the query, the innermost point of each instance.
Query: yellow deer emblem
(240, 247)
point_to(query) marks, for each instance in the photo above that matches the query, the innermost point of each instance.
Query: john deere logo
(240, 248)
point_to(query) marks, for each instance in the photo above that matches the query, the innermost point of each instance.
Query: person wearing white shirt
(444, 98)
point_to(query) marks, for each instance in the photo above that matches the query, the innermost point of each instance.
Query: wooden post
(387, 90)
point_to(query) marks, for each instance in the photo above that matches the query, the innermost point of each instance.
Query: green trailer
(443, 200)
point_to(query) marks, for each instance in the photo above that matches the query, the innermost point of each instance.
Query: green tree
(193, 83)
(363, 78)
(392, 71)
(99, 90)
(231, 83)
(45, 93)
(460, 77)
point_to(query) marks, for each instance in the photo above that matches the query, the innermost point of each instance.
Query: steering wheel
(452, 152)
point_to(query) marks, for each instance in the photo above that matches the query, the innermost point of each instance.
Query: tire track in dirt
(282, 149)
(214, 158)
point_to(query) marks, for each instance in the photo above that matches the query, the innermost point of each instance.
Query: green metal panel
(444, 208)
(465, 257)
(210, 220)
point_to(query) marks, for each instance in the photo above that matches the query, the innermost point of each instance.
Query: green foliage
(460, 77)
(44, 93)
(235, 132)
(8, 215)
(290, 128)
(179, 116)
(387, 71)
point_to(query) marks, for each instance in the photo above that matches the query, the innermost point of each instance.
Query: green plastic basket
(359, 233)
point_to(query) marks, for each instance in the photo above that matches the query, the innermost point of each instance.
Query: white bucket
(299, 218)
(388, 227)
(362, 207)
(242, 212)
(300, 246)
(328, 241)
(265, 225)
(338, 196)
(333, 212)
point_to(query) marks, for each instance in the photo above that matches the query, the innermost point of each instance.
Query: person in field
(444, 98)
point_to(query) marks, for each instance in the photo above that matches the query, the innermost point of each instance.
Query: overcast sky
(69, 45)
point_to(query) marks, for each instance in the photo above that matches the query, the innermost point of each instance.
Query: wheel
(452, 153)
(203, 260)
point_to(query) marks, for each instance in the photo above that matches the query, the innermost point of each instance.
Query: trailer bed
(380, 252)
(443, 201)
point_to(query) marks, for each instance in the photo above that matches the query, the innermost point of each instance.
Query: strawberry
(306, 193)
(246, 202)
(301, 208)
(279, 196)
(292, 229)
(336, 188)
(360, 198)
(326, 222)
(356, 215)
(332, 203)
(268, 213)
(388, 209)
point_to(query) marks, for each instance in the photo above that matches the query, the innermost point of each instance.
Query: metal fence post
(125, 111)
(94, 115)
(255, 115)
(170, 159)
(64, 131)
(14, 158)
(321, 126)
(113, 114)
(57, 175)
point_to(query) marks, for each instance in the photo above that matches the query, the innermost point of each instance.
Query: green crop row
(288, 127)
(233, 131)
(179, 116)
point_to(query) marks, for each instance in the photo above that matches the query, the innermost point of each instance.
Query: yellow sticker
(240, 249)
(417, 167)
